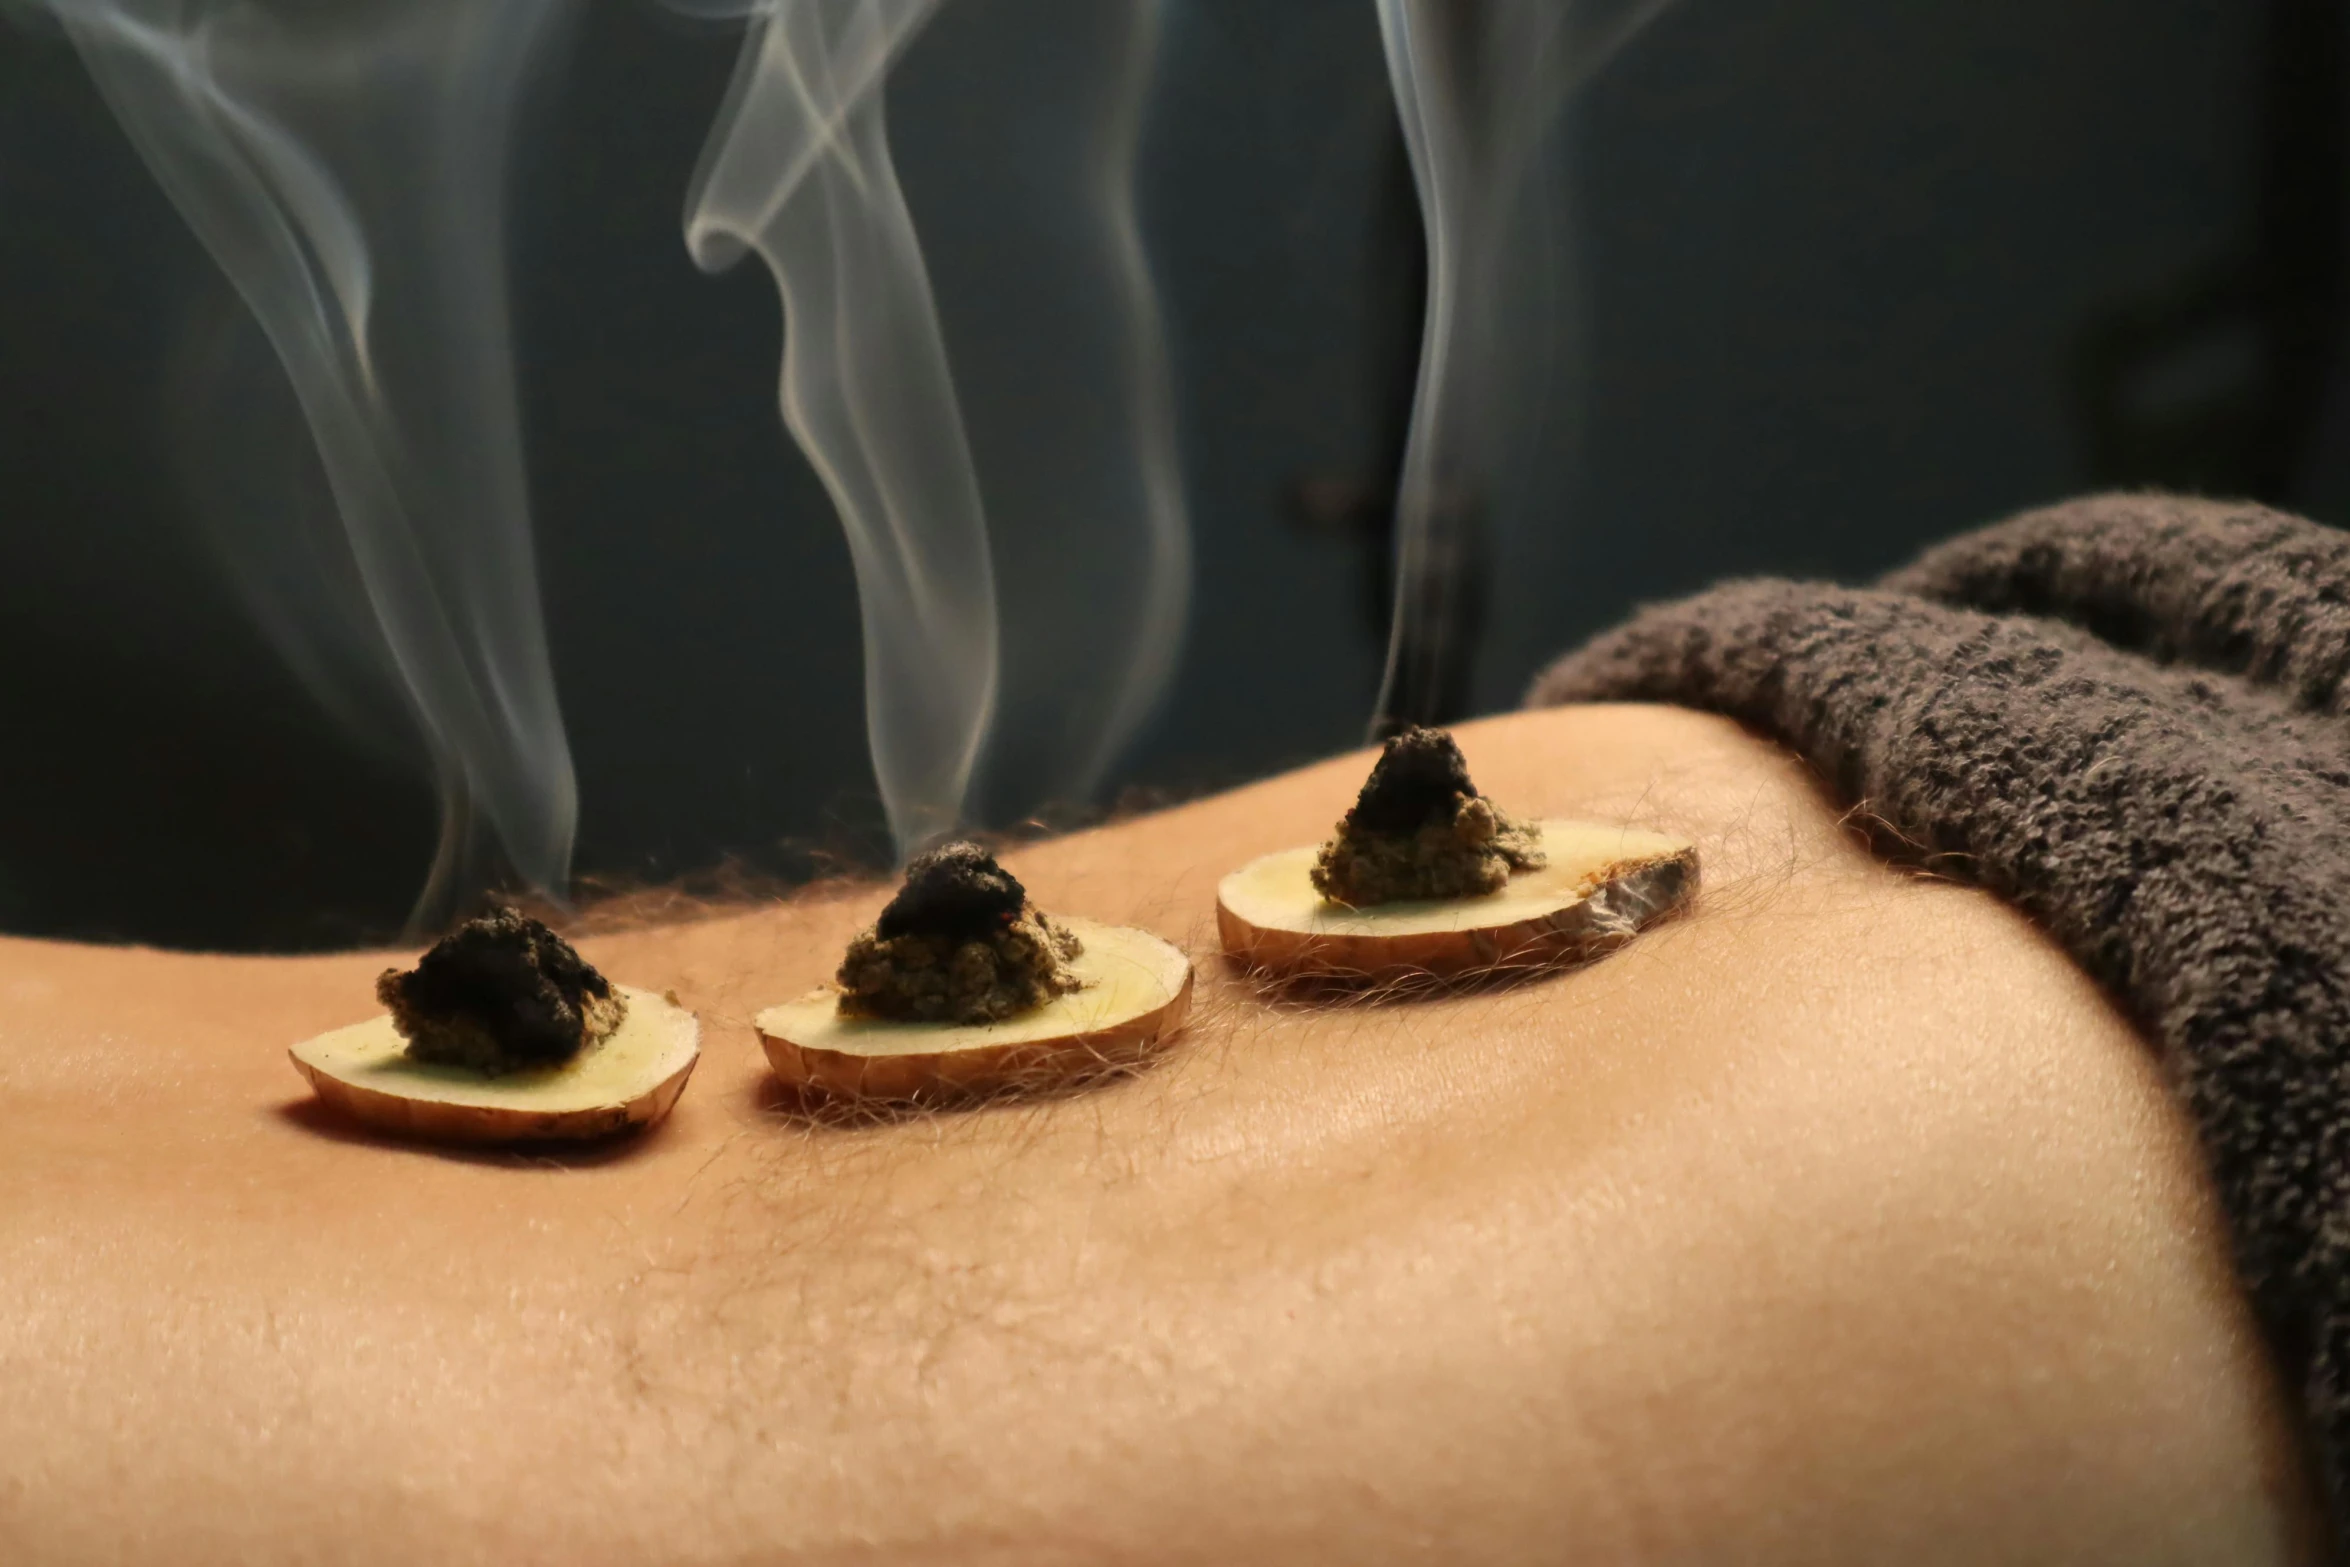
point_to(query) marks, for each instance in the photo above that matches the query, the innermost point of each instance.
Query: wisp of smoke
(798, 170)
(1479, 85)
(1027, 652)
(345, 164)
(1052, 321)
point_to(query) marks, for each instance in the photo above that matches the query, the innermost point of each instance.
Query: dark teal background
(1836, 255)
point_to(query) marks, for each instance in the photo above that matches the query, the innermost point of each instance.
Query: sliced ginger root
(1601, 886)
(502, 1033)
(964, 987)
(1427, 878)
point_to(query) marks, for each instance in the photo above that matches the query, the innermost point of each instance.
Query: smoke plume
(345, 165)
(1012, 644)
(1479, 85)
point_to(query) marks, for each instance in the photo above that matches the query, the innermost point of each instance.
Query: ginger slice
(628, 1078)
(1130, 990)
(504, 1033)
(1597, 885)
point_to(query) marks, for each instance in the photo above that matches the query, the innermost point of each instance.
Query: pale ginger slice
(629, 1078)
(1133, 990)
(1598, 886)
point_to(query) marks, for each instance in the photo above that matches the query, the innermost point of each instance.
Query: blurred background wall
(1851, 276)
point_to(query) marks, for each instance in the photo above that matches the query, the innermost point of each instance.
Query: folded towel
(2126, 716)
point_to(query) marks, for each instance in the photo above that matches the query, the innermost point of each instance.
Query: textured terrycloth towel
(2126, 715)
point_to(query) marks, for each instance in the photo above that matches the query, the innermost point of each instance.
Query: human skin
(1839, 1221)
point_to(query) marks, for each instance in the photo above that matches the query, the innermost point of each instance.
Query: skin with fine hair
(1841, 1220)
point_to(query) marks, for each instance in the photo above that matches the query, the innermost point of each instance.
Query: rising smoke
(1053, 329)
(1479, 86)
(1023, 572)
(1023, 592)
(799, 171)
(346, 166)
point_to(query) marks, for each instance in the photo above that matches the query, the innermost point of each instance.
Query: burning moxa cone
(1427, 877)
(502, 1033)
(965, 987)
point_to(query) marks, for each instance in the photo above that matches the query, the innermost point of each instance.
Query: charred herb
(1420, 830)
(960, 943)
(499, 994)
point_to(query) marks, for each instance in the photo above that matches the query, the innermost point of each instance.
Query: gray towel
(2126, 716)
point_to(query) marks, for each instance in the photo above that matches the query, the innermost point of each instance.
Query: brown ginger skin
(1420, 830)
(960, 943)
(500, 994)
